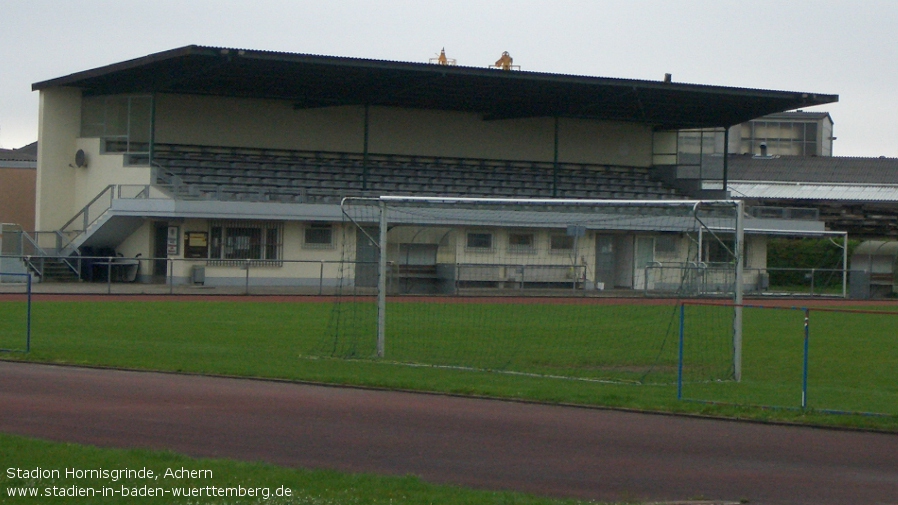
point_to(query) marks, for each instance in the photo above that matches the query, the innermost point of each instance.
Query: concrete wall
(190, 119)
(275, 124)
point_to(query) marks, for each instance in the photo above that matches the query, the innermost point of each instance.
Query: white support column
(739, 288)
(845, 266)
(382, 281)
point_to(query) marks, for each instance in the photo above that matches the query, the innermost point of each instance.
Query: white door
(644, 256)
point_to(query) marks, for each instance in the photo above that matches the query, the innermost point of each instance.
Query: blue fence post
(804, 375)
(680, 360)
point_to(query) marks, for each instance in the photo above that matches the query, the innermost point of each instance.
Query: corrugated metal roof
(813, 169)
(312, 81)
(17, 158)
(812, 191)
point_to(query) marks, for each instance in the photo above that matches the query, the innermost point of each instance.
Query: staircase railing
(85, 217)
(66, 236)
(90, 213)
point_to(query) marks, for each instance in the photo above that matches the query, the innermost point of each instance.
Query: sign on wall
(173, 243)
(197, 245)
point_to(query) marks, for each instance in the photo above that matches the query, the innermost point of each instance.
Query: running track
(553, 450)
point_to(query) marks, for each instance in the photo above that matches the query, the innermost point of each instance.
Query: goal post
(434, 251)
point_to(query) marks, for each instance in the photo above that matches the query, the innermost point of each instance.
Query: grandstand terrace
(225, 173)
(221, 157)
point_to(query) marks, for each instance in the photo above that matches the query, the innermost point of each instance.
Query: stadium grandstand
(192, 163)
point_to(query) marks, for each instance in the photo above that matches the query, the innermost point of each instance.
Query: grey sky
(843, 47)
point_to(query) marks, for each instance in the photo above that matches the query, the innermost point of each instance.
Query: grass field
(265, 482)
(851, 361)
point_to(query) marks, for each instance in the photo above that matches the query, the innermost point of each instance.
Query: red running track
(544, 449)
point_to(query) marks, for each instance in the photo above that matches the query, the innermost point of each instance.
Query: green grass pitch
(454, 343)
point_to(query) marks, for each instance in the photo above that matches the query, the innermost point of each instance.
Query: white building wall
(59, 122)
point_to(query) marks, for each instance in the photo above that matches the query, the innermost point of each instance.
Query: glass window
(810, 132)
(718, 252)
(666, 244)
(559, 242)
(319, 235)
(243, 240)
(93, 116)
(479, 240)
(520, 242)
(122, 122)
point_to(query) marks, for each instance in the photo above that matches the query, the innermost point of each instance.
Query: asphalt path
(491, 444)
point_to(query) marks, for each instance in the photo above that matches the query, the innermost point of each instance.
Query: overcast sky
(844, 47)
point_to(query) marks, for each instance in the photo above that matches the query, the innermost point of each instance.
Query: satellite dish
(80, 159)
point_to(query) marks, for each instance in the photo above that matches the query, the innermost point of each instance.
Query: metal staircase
(54, 256)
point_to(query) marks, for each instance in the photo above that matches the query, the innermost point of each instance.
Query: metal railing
(695, 279)
(68, 233)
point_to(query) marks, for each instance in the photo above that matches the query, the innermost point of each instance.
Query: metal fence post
(170, 264)
(108, 276)
(321, 279)
(246, 292)
(804, 373)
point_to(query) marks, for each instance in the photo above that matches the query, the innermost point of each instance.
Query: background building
(18, 171)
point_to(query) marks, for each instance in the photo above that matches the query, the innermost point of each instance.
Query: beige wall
(62, 189)
(17, 198)
(457, 134)
(101, 171)
(275, 124)
(190, 119)
(301, 262)
(59, 122)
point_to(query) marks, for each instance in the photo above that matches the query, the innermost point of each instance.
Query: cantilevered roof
(311, 81)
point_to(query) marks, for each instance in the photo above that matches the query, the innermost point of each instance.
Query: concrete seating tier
(229, 173)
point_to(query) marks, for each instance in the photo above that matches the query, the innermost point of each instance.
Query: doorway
(160, 252)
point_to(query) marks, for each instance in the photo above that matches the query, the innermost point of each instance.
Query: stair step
(57, 271)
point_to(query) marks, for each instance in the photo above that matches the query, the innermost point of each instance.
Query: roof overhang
(312, 81)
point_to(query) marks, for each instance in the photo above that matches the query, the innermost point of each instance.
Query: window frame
(568, 239)
(264, 243)
(318, 227)
(479, 248)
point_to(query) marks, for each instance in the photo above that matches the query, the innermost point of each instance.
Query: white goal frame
(384, 202)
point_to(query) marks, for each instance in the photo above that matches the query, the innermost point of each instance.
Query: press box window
(479, 241)
(561, 243)
(521, 242)
(240, 241)
(666, 244)
(319, 236)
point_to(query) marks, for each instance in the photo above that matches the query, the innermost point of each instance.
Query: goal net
(570, 288)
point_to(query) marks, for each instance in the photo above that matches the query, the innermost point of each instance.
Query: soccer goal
(574, 288)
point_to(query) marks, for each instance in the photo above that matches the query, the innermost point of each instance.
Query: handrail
(84, 210)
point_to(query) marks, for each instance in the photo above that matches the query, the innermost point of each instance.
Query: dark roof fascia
(194, 50)
(798, 115)
(696, 94)
(73, 79)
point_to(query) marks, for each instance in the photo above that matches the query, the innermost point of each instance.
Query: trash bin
(199, 274)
